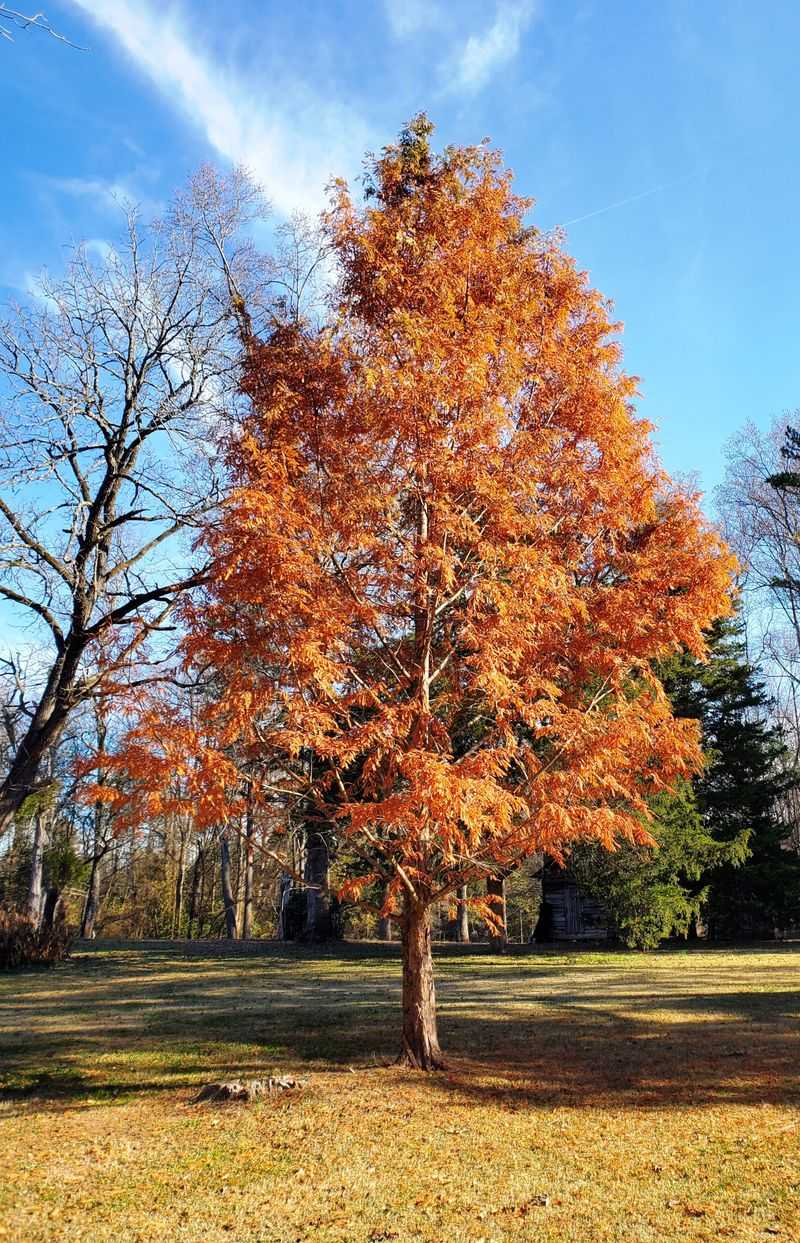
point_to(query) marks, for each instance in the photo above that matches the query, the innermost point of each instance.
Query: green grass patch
(591, 1096)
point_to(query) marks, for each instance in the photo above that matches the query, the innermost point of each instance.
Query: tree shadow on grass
(570, 1059)
(555, 1060)
(104, 1027)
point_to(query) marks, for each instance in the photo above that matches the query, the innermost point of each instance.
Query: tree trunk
(317, 926)
(92, 904)
(227, 889)
(237, 889)
(180, 880)
(23, 776)
(385, 925)
(496, 889)
(52, 903)
(205, 909)
(463, 915)
(194, 893)
(132, 885)
(284, 889)
(33, 905)
(43, 733)
(247, 909)
(420, 1048)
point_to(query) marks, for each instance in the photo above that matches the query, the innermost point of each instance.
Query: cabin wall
(572, 915)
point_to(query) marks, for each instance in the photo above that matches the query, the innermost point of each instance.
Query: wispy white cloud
(114, 195)
(292, 138)
(471, 68)
(98, 188)
(31, 284)
(409, 17)
(99, 248)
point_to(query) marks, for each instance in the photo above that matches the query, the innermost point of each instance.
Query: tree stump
(247, 1089)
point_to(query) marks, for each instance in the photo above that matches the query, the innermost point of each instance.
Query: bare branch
(32, 21)
(114, 383)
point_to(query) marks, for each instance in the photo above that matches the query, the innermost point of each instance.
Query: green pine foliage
(788, 480)
(741, 786)
(62, 864)
(653, 894)
(721, 858)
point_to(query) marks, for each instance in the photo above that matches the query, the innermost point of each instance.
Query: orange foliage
(165, 766)
(450, 558)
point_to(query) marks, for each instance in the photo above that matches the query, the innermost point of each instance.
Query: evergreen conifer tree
(653, 894)
(721, 857)
(740, 788)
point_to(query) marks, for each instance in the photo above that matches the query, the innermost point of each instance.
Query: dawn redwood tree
(446, 517)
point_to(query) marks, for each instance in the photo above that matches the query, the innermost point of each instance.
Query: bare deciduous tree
(111, 388)
(762, 523)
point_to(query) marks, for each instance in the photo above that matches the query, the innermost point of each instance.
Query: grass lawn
(590, 1097)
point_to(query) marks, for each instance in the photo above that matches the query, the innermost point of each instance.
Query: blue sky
(663, 135)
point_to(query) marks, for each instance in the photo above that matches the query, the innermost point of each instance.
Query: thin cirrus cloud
(473, 60)
(410, 17)
(471, 68)
(112, 196)
(291, 138)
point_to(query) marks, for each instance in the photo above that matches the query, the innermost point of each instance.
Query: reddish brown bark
(496, 893)
(420, 1046)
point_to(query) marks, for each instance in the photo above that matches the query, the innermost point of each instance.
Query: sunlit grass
(590, 1097)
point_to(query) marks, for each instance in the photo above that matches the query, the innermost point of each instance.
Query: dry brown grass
(590, 1098)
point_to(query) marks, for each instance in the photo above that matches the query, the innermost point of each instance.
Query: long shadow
(602, 1041)
(604, 1062)
(555, 1060)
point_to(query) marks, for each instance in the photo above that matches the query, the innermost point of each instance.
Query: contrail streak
(632, 198)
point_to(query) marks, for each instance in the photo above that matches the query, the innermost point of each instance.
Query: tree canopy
(447, 522)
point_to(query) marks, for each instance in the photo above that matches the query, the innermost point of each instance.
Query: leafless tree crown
(114, 384)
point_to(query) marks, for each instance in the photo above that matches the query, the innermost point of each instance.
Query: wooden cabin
(567, 913)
